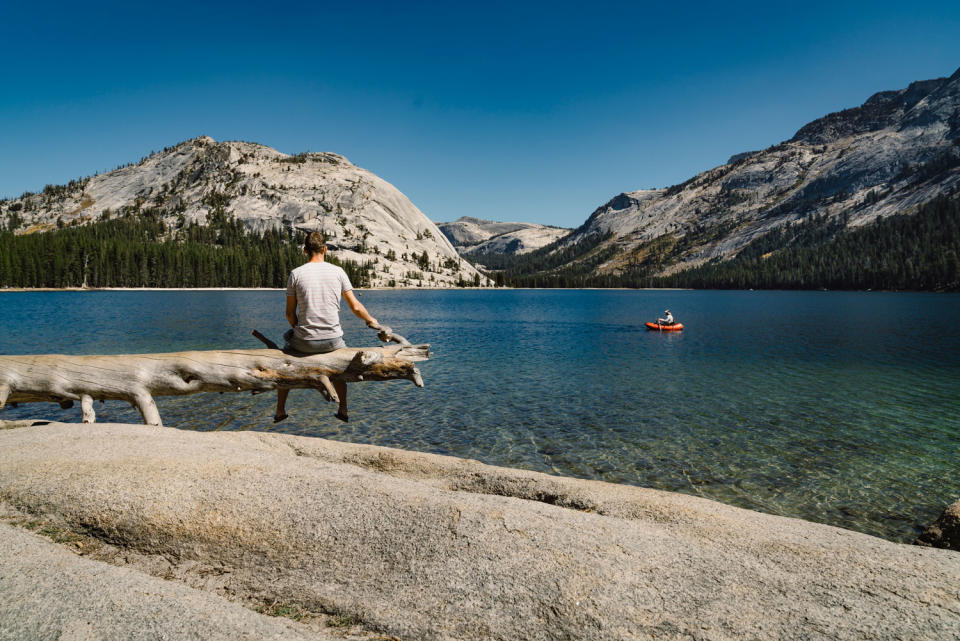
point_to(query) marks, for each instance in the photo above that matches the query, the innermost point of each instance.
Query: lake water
(835, 407)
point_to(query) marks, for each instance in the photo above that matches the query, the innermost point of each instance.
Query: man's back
(318, 287)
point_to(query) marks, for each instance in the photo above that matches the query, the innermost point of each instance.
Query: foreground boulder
(945, 532)
(51, 593)
(429, 547)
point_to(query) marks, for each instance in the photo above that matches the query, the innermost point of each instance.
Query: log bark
(137, 378)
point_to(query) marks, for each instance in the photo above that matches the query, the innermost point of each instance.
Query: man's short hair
(315, 242)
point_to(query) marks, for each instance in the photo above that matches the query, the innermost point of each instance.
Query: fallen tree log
(137, 378)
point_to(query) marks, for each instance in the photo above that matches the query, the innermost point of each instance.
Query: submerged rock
(945, 532)
(420, 546)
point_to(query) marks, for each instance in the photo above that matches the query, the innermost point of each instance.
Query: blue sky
(504, 110)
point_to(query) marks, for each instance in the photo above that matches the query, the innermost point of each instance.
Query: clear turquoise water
(835, 407)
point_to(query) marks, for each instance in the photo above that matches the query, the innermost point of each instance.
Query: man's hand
(373, 324)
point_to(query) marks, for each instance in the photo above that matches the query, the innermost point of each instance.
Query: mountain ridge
(896, 151)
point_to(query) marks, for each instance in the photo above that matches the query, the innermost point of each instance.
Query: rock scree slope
(421, 546)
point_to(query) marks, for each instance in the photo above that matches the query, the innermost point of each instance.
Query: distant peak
(881, 110)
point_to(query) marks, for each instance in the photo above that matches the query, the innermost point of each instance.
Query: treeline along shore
(138, 250)
(919, 251)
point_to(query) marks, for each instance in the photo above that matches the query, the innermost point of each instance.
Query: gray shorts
(294, 344)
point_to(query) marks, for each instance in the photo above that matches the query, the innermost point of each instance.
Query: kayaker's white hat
(666, 311)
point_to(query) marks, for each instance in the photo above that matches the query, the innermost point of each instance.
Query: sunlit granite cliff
(369, 219)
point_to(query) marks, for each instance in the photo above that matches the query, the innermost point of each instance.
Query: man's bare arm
(292, 310)
(359, 310)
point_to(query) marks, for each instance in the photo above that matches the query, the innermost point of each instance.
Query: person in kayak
(666, 321)
(313, 311)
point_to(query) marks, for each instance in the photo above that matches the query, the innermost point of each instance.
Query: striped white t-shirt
(318, 287)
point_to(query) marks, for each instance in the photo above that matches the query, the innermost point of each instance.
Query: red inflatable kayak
(676, 327)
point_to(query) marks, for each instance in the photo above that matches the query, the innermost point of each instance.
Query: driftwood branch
(138, 378)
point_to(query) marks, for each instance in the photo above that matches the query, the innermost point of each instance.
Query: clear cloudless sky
(524, 111)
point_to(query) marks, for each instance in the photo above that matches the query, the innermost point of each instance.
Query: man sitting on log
(313, 310)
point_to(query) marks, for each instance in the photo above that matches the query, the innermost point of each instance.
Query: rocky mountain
(848, 169)
(368, 219)
(476, 236)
